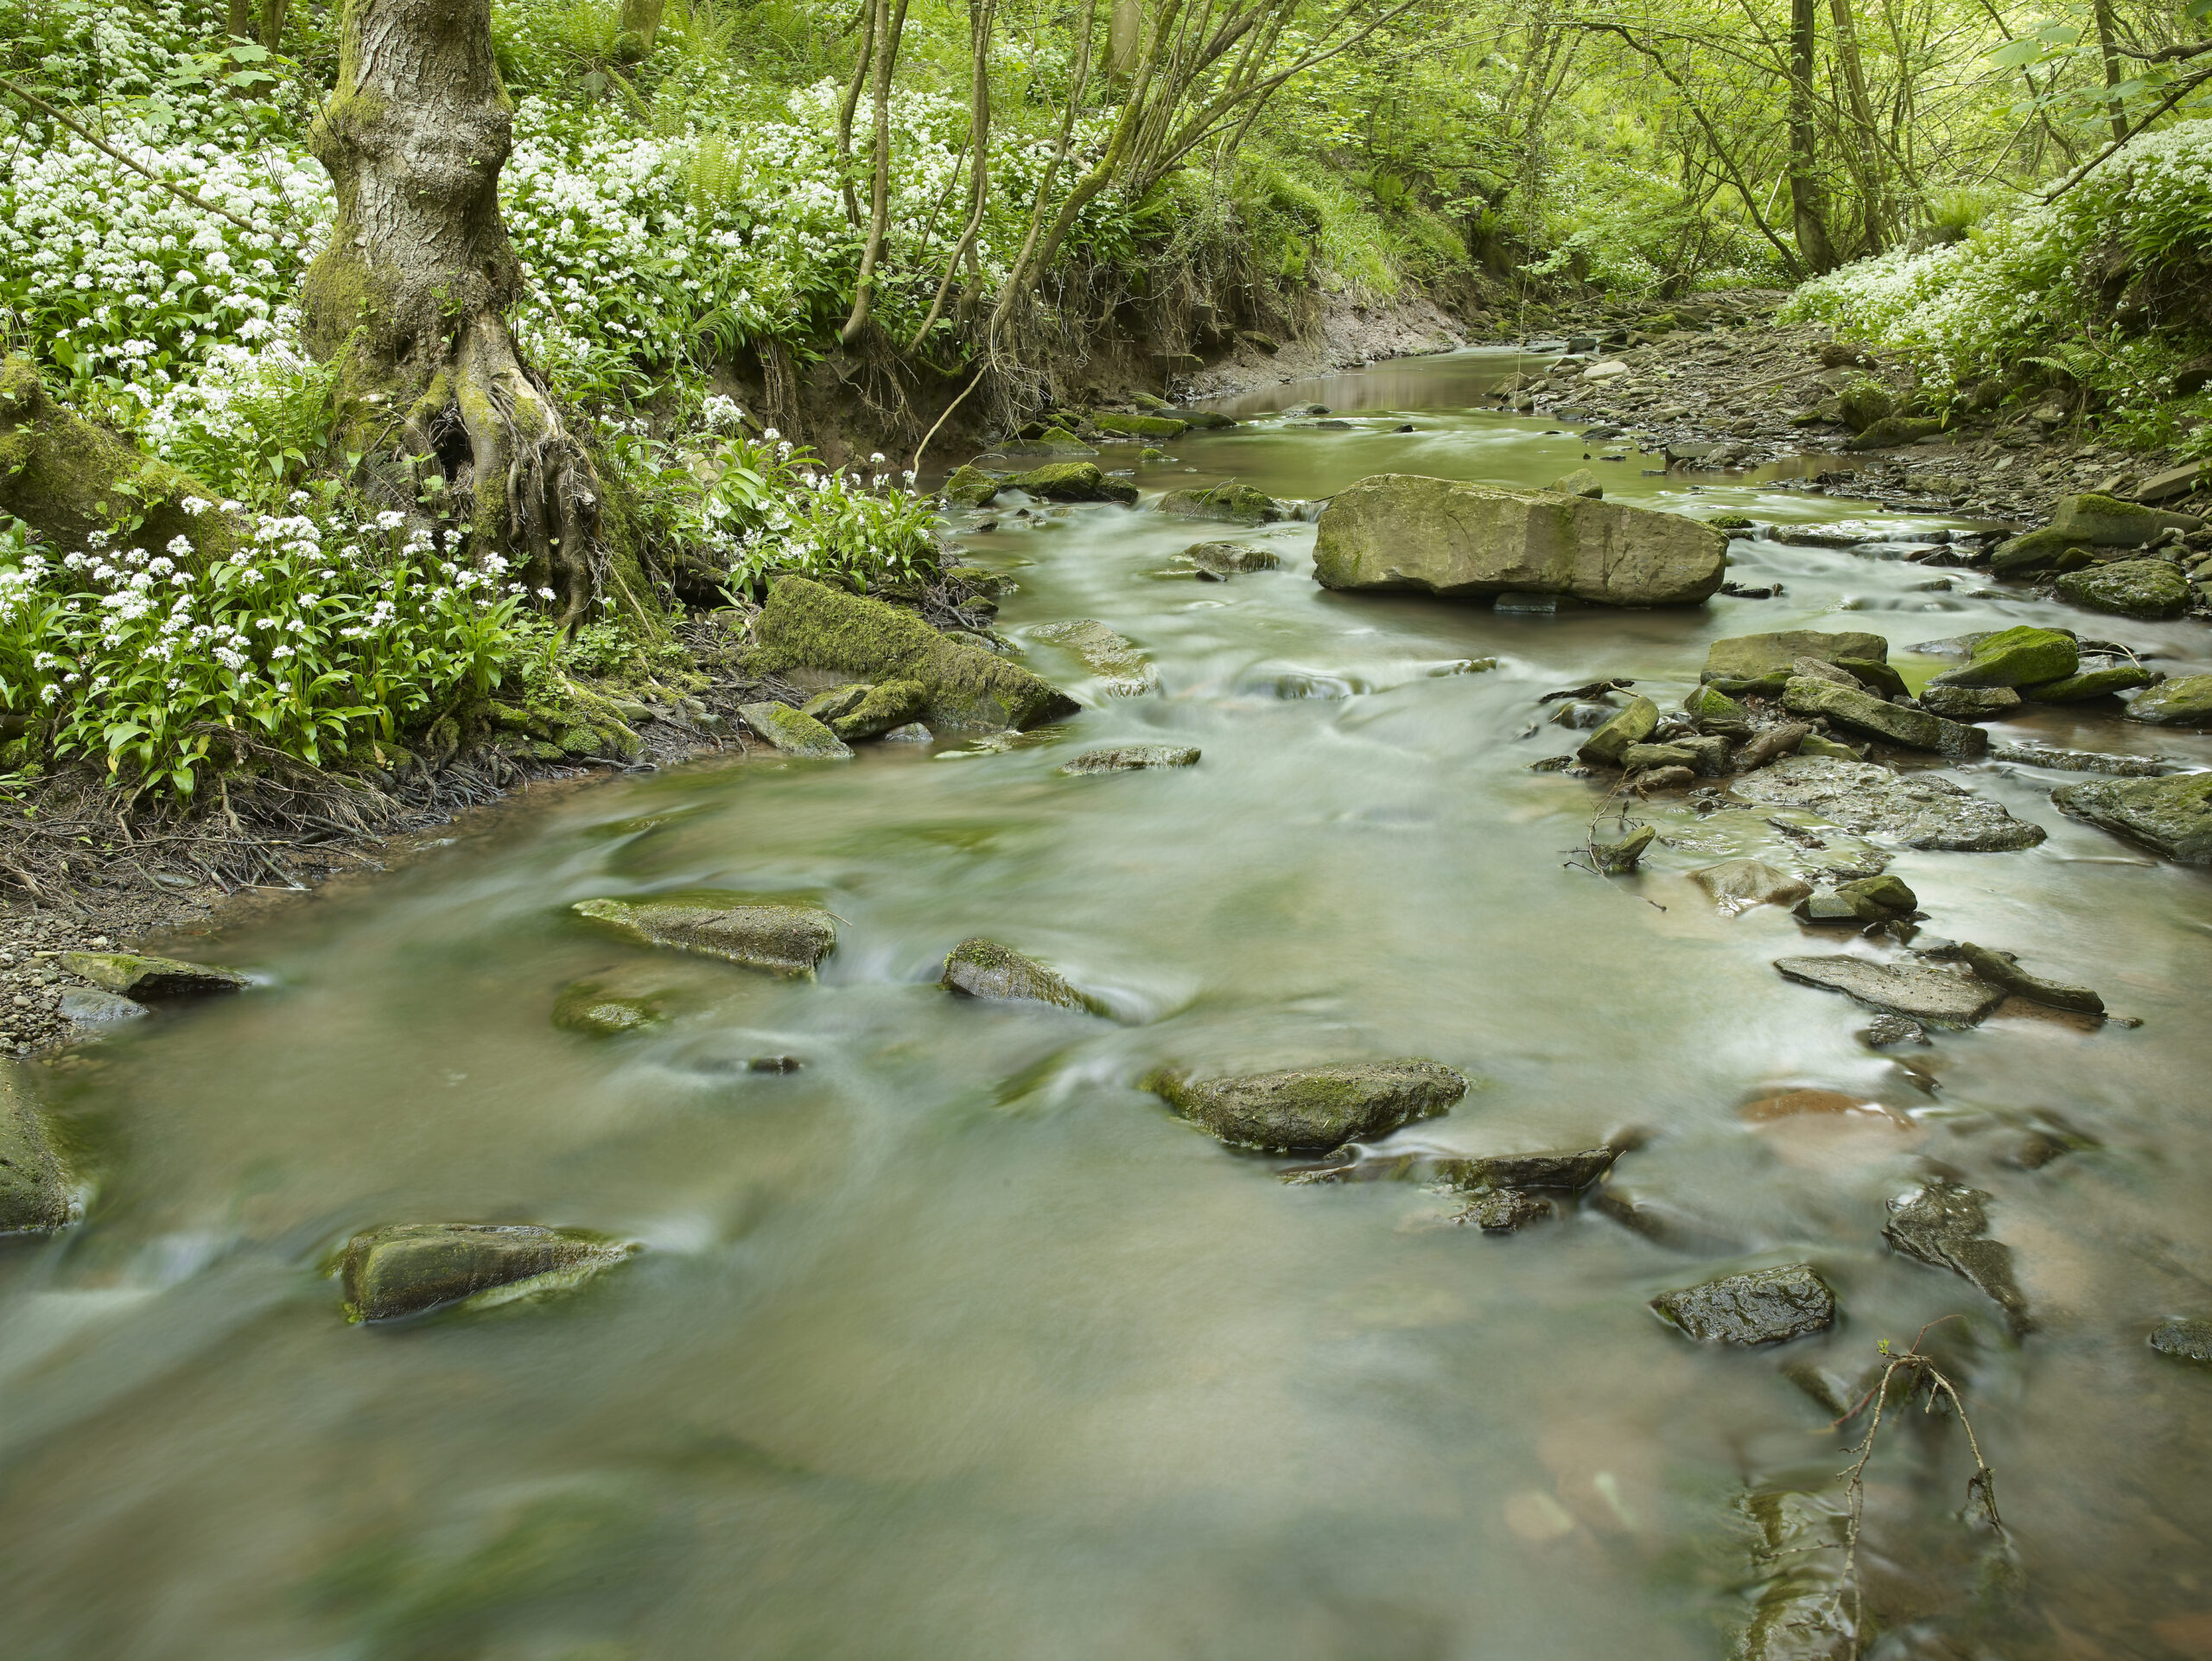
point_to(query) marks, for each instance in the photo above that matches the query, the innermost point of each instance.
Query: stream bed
(954, 1343)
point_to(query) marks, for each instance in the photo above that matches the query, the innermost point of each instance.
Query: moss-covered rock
(2088, 684)
(1139, 426)
(1862, 712)
(65, 477)
(1132, 758)
(1714, 711)
(1231, 504)
(136, 975)
(1891, 432)
(2089, 521)
(35, 1190)
(2147, 588)
(1580, 482)
(969, 486)
(2171, 816)
(1761, 658)
(594, 1008)
(1398, 530)
(878, 709)
(1968, 703)
(413, 1267)
(1212, 420)
(1074, 481)
(1311, 1110)
(1230, 559)
(1605, 746)
(2184, 701)
(775, 935)
(793, 731)
(984, 969)
(2016, 657)
(808, 626)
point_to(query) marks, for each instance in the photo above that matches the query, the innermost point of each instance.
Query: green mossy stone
(1968, 703)
(2171, 816)
(1891, 432)
(1768, 657)
(410, 1268)
(1874, 675)
(984, 969)
(1714, 711)
(1605, 746)
(880, 708)
(1880, 897)
(1311, 1109)
(1657, 755)
(2184, 701)
(590, 1007)
(1230, 559)
(1814, 744)
(780, 938)
(2100, 521)
(1132, 758)
(810, 625)
(2015, 657)
(1231, 502)
(969, 486)
(794, 732)
(1073, 482)
(1139, 426)
(1210, 420)
(138, 976)
(2090, 683)
(2145, 589)
(35, 1197)
(1862, 712)
(1582, 482)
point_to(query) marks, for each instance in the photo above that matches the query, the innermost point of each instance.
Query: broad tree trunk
(640, 23)
(414, 289)
(1804, 180)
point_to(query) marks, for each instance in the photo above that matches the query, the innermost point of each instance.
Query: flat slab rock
(1766, 1305)
(413, 1267)
(1132, 758)
(1918, 991)
(2172, 817)
(1947, 1225)
(984, 969)
(136, 975)
(1311, 1109)
(1567, 1172)
(35, 1196)
(783, 939)
(1918, 809)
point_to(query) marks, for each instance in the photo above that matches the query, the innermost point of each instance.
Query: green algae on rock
(1230, 503)
(1126, 671)
(1766, 1306)
(2016, 657)
(810, 625)
(2171, 816)
(592, 1007)
(1762, 663)
(984, 969)
(1311, 1110)
(2088, 684)
(1605, 746)
(1073, 482)
(1398, 530)
(859, 710)
(1862, 712)
(2147, 588)
(794, 732)
(969, 486)
(778, 937)
(1230, 559)
(409, 1268)
(136, 975)
(1132, 758)
(2184, 701)
(35, 1195)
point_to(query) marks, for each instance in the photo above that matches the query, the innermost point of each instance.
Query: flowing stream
(954, 1343)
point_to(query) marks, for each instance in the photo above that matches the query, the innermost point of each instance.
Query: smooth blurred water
(954, 1343)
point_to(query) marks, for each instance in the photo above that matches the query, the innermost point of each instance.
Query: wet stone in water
(1311, 1110)
(784, 940)
(135, 975)
(35, 1197)
(1946, 1226)
(1132, 757)
(1917, 810)
(2185, 1339)
(1571, 1172)
(1230, 559)
(2172, 817)
(1914, 990)
(404, 1270)
(984, 969)
(590, 1006)
(1502, 1211)
(1117, 662)
(1738, 885)
(1763, 1307)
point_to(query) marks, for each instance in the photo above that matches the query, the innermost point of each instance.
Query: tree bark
(413, 290)
(640, 23)
(1124, 40)
(890, 23)
(2113, 73)
(1804, 181)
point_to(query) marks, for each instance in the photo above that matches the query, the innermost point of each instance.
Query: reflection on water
(952, 1343)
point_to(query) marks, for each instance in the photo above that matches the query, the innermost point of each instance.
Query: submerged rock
(2185, 1340)
(1797, 1611)
(1919, 810)
(1664, 1223)
(2172, 817)
(2002, 968)
(1502, 1211)
(1738, 885)
(1762, 661)
(2184, 701)
(412, 1267)
(782, 938)
(2148, 588)
(1130, 758)
(1569, 1173)
(1471, 542)
(89, 1012)
(2046, 755)
(793, 731)
(1125, 670)
(1766, 1305)
(35, 1197)
(1230, 559)
(136, 975)
(1230, 504)
(1862, 711)
(810, 625)
(1946, 1226)
(1311, 1109)
(594, 1008)
(1915, 991)
(1073, 482)
(984, 969)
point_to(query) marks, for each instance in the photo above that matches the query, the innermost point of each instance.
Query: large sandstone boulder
(1472, 542)
(808, 626)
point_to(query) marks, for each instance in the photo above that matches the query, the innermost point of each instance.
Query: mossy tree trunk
(415, 287)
